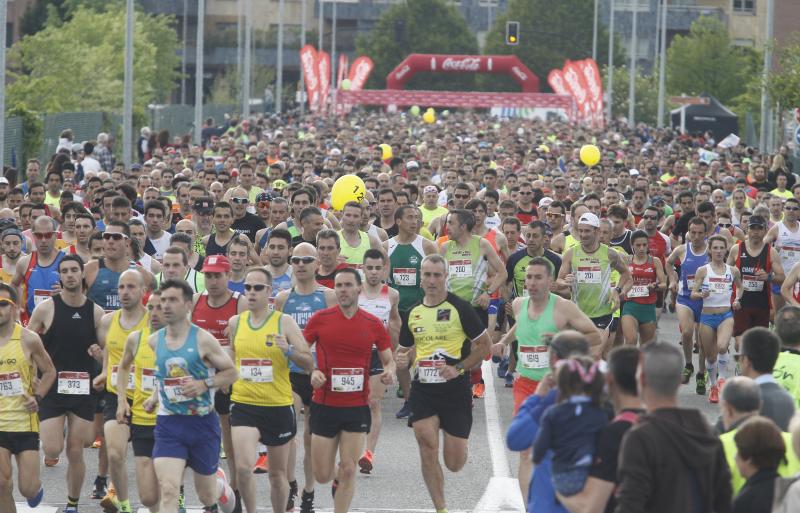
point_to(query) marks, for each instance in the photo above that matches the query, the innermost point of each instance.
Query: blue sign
(797, 135)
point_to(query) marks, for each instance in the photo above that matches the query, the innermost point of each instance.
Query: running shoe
(109, 503)
(713, 395)
(292, 495)
(404, 412)
(700, 380)
(36, 499)
(478, 390)
(366, 462)
(307, 502)
(237, 508)
(181, 502)
(687, 374)
(70, 509)
(720, 383)
(50, 462)
(99, 488)
(98, 442)
(262, 465)
(509, 380)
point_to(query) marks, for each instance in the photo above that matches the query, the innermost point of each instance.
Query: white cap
(335, 151)
(634, 172)
(590, 219)
(412, 164)
(545, 201)
(4, 180)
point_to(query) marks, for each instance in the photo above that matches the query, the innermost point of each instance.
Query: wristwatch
(209, 381)
(459, 367)
(618, 289)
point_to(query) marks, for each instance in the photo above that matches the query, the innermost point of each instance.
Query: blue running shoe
(37, 499)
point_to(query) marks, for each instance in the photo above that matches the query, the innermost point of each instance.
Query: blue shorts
(495, 305)
(714, 320)
(776, 289)
(194, 438)
(696, 306)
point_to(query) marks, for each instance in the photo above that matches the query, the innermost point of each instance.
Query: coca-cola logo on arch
(466, 64)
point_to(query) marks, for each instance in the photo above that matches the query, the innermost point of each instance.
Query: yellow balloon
(347, 188)
(429, 117)
(590, 154)
(386, 151)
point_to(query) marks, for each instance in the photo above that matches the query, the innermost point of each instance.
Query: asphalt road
(487, 482)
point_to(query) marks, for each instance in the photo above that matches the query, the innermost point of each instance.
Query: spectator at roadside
(759, 352)
(787, 367)
(759, 450)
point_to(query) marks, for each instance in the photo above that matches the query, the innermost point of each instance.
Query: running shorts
(194, 438)
(143, 439)
(276, 424)
(17, 442)
(329, 421)
(644, 314)
(714, 320)
(450, 401)
(749, 317)
(695, 306)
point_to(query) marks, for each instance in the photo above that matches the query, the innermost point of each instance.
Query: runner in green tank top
(539, 316)
(406, 251)
(586, 269)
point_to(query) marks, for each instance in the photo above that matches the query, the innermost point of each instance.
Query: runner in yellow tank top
(20, 351)
(139, 357)
(263, 342)
(355, 242)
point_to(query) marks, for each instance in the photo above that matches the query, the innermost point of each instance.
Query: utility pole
(594, 31)
(246, 62)
(321, 26)
(766, 107)
(127, 95)
(279, 63)
(632, 70)
(610, 87)
(183, 53)
(662, 65)
(333, 55)
(3, 6)
(198, 72)
(302, 44)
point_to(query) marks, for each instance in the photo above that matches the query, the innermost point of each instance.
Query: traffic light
(512, 33)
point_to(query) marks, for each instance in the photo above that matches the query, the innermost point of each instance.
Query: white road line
(502, 493)
(22, 507)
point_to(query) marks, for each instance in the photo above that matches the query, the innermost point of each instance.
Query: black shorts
(110, 407)
(143, 439)
(749, 317)
(56, 405)
(603, 322)
(660, 296)
(375, 365)
(301, 385)
(100, 404)
(329, 421)
(483, 315)
(276, 424)
(222, 402)
(450, 401)
(614, 326)
(17, 442)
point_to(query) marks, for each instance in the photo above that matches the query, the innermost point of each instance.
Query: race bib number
(115, 369)
(588, 275)
(347, 380)
(690, 282)
(460, 268)
(719, 286)
(40, 295)
(750, 284)
(10, 384)
(534, 357)
(428, 371)
(639, 291)
(173, 389)
(148, 380)
(73, 383)
(255, 370)
(404, 277)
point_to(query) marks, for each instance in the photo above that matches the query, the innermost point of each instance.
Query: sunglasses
(114, 236)
(45, 235)
(224, 182)
(258, 287)
(263, 204)
(554, 214)
(461, 196)
(651, 218)
(560, 186)
(725, 225)
(6, 302)
(305, 260)
(791, 209)
(239, 201)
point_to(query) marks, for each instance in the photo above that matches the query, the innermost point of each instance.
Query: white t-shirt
(492, 222)
(161, 244)
(91, 164)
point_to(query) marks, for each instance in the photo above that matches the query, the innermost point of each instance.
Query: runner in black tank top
(212, 248)
(756, 299)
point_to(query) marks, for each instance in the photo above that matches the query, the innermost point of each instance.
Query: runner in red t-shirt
(340, 416)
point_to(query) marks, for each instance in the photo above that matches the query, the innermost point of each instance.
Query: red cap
(216, 264)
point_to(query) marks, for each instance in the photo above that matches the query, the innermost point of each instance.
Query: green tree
(227, 86)
(55, 12)
(79, 65)
(705, 61)
(784, 84)
(419, 26)
(549, 33)
(646, 94)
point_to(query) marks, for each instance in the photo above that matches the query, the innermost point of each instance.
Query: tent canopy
(714, 117)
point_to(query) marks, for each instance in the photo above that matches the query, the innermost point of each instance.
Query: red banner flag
(308, 62)
(341, 73)
(578, 89)
(324, 73)
(556, 80)
(591, 75)
(359, 72)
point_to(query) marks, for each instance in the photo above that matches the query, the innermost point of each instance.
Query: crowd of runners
(196, 304)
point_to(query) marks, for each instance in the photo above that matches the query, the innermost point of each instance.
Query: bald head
(132, 276)
(184, 224)
(7, 213)
(305, 249)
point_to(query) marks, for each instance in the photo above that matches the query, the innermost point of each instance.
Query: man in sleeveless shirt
(37, 273)
(212, 311)
(114, 330)
(21, 354)
(329, 247)
(275, 258)
(406, 251)
(262, 409)
(785, 235)
(301, 302)
(381, 301)
(68, 325)
(187, 428)
(539, 316)
(354, 242)
(216, 243)
(12, 241)
(139, 360)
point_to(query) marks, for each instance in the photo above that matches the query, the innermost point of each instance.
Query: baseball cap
(216, 264)
(203, 205)
(279, 185)
(412, 164)
(12, 231)
(4, 180)
(590, 219)
(757, 221)
(729, 179)
(634, 172)
(545, 201)
(136, 167)
(430, 188)
(263, 196)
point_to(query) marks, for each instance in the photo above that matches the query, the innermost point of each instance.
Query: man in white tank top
(785, 235)
(380, 300)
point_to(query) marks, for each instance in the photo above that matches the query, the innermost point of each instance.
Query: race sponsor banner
(324, 73)
(359, 72)
(591, 75)
(578, 89)
(556, 81)
(308, 62)
(341, 73)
